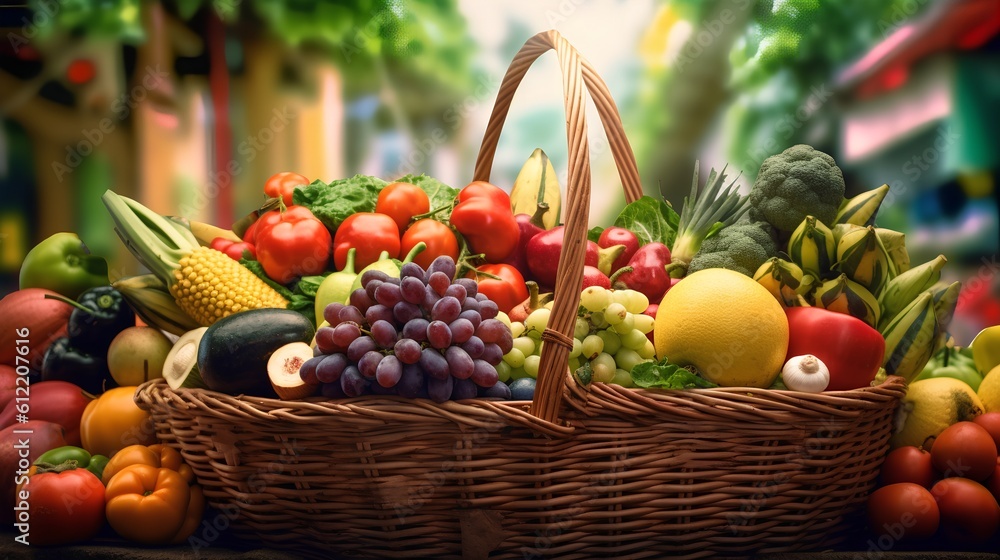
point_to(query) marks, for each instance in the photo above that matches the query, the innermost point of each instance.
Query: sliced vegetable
(283, 371)
(180, 369)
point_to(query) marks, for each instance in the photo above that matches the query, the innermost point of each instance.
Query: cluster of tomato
(147, 495)
(952, 490)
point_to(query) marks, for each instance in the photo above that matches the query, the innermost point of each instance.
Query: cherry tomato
(439, 238)
(281, 185)
(903, 511)
(969, 513)
(964, 449)
(368, 232)
(990, 421)
(401, 202)
(908, 464)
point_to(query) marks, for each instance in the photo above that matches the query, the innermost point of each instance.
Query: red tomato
(903, 511)
(292, 243)
(964, 449)
(506, 290)
(990, 421)
(439, 238)
(401, 202)
(908, 464)
(969, 513)
(993, 482)
(368, 232)
(64, 507)
(282, 185)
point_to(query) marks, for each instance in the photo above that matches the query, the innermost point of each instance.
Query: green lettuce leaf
(595, 233)
(301, 296)
(651, 219)
(333, 202)
(439, 193)
(665, 375)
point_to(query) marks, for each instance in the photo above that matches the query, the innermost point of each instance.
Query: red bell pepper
(233, 249)
(850, 348)
(369, 233)
(483, 216)
(292, 243)
(508, 291)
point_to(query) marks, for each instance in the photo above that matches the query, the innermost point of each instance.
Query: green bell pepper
(84, 460)
(63, 264)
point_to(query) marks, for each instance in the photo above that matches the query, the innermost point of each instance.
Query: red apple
(8, 381)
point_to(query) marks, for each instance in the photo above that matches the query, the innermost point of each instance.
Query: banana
(861, 209)
(782, 278)
(536, 183)
(812, 248)
(840, 230)
(945, 300)
(905, 287)
(148, 296)
(861, 255)
(910, 338)
(844, 295)
(205, 233)
(895, 245)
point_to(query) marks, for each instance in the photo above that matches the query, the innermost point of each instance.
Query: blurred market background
(189, 105)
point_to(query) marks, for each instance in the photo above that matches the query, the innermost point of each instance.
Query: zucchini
(233, 354)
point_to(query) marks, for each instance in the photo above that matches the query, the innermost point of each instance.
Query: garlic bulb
(805, 373)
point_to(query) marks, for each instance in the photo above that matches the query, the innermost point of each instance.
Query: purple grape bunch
(422, 335)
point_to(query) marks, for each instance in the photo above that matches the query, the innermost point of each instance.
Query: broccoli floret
(742, 247)
(799, 182)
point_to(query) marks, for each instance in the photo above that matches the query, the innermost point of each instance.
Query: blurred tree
(764, 66)
(415, 54)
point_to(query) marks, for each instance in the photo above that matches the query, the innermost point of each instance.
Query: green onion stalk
(704, 214)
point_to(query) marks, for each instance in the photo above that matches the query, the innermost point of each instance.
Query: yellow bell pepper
(157, 455)
(148, 505)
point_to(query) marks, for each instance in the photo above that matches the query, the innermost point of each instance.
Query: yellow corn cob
(205, 283)
(209, 286)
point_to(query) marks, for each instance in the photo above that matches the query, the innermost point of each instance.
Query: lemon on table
(989, 390)
(930, 406)
(726, 325)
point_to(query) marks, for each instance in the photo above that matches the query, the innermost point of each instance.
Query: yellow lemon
(989, 390)
(725, 324)
(930, 406)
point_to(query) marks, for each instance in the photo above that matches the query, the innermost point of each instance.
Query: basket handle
(576, 72)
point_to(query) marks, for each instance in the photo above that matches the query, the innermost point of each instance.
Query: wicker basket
(579, 472)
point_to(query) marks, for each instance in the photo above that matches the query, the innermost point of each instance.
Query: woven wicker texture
(579, 473)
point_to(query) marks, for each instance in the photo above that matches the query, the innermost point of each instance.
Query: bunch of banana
(917, 311)
(862, 256)
(537, 183)
(149, 297)
(811, 246)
